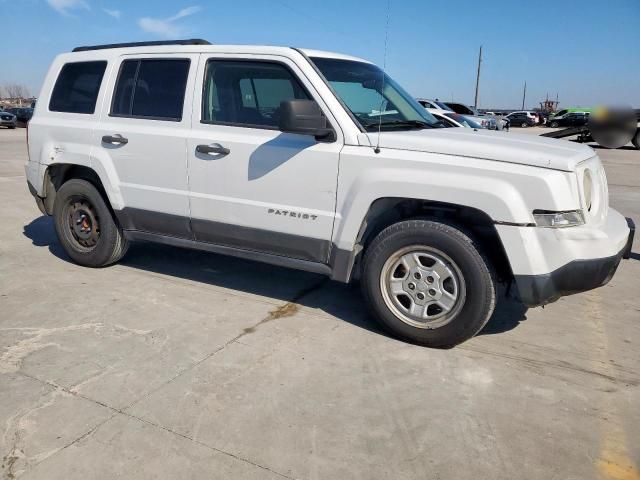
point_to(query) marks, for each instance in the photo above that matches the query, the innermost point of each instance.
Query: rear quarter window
(76, 89)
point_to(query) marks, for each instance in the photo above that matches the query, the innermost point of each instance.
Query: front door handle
(213, 149)
(115, 139)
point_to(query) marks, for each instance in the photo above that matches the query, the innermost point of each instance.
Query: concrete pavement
(182, 364)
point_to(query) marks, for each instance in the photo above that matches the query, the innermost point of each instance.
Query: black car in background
(7, 119)
(573, 119)
(23, 115)
(461, 108)
(519, 119)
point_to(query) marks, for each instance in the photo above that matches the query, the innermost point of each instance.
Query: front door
(252, 186)
(143, 134)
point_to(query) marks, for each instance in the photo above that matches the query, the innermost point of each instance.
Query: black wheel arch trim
(381, 210)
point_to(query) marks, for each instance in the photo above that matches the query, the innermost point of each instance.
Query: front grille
(5, 117)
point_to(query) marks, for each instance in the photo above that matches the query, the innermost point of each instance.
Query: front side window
(248, 93)
(374, 99)
(76, 89)
(151, 88)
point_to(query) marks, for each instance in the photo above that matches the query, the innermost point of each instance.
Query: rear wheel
(426, 282)
(85, 226)
(636, 140)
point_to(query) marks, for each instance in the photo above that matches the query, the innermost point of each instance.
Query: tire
(636, 140)
(471, 281)
(554, 125)
(85, 225)
(524, 125)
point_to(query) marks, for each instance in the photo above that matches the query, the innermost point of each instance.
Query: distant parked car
(571, 119)
(435, 104)
(499, 118)
(23, 115)
(484, 122)
(7, 120)
(520, 119)
(462, 109)
(453, 119)
(564, 111)
(532, 115)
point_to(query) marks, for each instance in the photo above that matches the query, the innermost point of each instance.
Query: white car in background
(484, 122)
(453, 119)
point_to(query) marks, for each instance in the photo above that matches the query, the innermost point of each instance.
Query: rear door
(266, 190)
(142, 135)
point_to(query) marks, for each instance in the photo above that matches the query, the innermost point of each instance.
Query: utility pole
(524, 94)
(475, 101)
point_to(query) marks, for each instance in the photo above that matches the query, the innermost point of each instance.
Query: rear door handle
(213, 149)
(115, 139)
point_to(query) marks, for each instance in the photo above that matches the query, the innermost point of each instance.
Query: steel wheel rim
(81, 223)
(422, 286)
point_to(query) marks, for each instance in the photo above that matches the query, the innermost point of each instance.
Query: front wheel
(426, 282)
(554, 125)
(85, 226)
(524, 125)
(636, 140)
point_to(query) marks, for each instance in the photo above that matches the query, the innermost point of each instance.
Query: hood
(489, 145)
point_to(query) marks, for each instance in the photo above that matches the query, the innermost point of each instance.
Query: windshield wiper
(399, 123)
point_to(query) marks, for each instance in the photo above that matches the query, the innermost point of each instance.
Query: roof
(202, 46)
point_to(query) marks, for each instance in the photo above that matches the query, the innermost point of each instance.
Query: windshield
(373, 97)
(464, 121)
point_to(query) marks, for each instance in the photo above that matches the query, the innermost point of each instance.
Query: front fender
(505, 192)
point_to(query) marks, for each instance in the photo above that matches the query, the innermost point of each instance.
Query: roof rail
(193, 41)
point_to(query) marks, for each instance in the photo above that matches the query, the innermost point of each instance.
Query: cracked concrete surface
(181, 364)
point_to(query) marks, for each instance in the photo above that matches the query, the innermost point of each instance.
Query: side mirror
(306, 118)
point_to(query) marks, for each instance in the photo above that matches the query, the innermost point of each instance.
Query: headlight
(571, 218)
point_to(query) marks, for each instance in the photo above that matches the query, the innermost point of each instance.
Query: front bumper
(574, 277)
(8, 123)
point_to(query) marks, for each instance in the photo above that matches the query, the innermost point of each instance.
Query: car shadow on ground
(307, 289)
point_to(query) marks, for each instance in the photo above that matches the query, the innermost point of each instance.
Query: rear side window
(152, 89)
(76, 89)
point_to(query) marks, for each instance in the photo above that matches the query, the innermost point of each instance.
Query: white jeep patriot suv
(321, 162)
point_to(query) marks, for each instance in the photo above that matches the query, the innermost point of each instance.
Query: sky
(585, 51)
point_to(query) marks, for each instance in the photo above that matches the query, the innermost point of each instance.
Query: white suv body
(185, 145)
